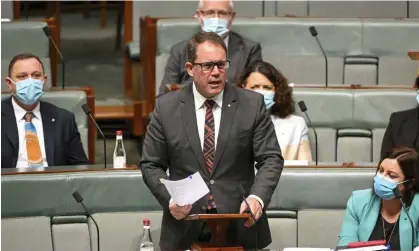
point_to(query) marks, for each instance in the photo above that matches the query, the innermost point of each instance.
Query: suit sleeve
(75, 150)
(172, 70)
(350, 225)
(255, 54)
(267, 154)
(388, 142)
(153, 161)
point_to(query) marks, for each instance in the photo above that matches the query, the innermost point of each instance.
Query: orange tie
(32, 143)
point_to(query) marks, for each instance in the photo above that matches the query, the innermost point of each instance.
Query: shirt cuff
(258, 199)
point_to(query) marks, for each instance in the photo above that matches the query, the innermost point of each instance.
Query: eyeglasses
(209, 66)
(212, 13)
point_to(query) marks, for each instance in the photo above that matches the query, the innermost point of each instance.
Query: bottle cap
(119, 133)
(146, 222)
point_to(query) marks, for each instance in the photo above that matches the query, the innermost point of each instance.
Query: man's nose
(215, 70)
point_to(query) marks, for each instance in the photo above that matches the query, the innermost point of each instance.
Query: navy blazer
(402, 131)
(61, 135)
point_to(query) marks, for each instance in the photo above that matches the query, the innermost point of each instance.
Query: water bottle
(119, 156)
(146, 241)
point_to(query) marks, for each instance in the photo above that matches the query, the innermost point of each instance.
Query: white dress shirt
(200, 110)
(22, 160)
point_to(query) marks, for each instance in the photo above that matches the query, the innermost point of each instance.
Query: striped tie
(209, 143)
(32, 143)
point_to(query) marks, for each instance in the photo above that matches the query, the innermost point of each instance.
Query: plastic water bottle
(119, 155)
(146, 241)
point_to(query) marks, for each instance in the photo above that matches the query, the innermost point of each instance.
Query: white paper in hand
(188, 190)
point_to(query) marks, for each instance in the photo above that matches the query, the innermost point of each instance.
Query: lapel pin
(53, 120)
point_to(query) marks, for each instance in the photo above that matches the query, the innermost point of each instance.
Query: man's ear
(189, 67)
(45, 82)
(233, 15)
(9, 83)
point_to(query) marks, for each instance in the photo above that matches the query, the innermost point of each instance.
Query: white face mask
(215, 24)
(417, 96)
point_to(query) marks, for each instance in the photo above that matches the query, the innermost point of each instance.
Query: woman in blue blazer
(375, 214)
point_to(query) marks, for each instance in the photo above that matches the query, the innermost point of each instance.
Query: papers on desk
(188, 190)
(295, 162)
(372, 248)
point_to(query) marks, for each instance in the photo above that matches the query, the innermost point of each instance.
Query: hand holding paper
(188, 190)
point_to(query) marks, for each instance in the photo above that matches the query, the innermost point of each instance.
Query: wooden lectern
(218, 224)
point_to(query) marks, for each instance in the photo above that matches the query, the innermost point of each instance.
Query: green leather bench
(39, 209)
(71, 101)
(360, 51)
(351, 123)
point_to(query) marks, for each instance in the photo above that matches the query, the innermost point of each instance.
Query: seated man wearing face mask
(35, 133)
(215, 16)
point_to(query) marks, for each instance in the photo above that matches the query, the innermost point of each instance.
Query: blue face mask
(268, 97)
(215, 24)
(29, 91)
(383, 186)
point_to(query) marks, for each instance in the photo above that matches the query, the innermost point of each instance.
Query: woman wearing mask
(376, 214)
(403, 128)
(291, 130)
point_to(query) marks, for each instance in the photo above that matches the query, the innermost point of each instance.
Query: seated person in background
(216, 16)
(291, 130)
(35, 133)
(375, 214)
(403, 128)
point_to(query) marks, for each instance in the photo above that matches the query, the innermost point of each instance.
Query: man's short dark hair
(202, 37)
(23, 56)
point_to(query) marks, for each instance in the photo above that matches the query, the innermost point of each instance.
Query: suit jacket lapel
(235, 55)
(188, 114)
(48, 123)
(227, 118)
(10, 126)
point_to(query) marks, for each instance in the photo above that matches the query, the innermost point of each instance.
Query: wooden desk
(65, 169)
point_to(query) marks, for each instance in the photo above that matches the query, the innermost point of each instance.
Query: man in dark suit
(213, 16)
(220, 131)
(403, 129)
(35, 133)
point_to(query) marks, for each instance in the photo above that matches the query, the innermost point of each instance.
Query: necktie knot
(28, 116)
(209, 104)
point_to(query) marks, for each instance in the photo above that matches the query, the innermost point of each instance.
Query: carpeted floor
(93, 60)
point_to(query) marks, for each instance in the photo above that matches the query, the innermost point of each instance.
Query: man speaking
(220, 131)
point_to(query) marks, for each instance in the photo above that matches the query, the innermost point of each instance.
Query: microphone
(314, 33)
(243, 192)
(48, 34)
(399, 196)
(88, 112)
(79, 199)
(303, 108)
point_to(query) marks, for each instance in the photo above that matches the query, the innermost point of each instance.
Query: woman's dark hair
(408, 160)
(283, 101)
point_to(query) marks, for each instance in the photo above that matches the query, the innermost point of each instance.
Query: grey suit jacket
(246, 135)
(241, 52)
